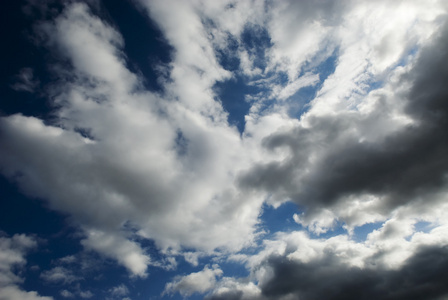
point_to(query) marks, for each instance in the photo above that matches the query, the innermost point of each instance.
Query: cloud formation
(346, 118)
(352, 154)
(199, 282)
(12, 258)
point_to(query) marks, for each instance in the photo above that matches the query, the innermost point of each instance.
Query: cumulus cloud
(422, 277)
(12, 258)
(394, 262)
(124, 251)
(199, 282)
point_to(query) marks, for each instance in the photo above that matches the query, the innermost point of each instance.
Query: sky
(250, 149)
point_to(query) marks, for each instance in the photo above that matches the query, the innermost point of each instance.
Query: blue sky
(223, 150)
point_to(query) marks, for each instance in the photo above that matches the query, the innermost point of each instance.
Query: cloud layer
(347, 119)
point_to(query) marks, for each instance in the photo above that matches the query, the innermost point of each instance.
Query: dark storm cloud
(406, 164)
(424, 276)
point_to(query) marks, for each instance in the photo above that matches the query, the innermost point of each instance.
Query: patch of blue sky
(376, 83)
(232, 94)
(228, 58)
(29, 213)
(278, 219)
(234, 269)
(322, 65)
(57, 239)
(335, 230)
(298, 103)
(255, 39)
(50, 248)
(360, 233)
(407, 57)
(424, 226)
(22, 52)
(144, 44)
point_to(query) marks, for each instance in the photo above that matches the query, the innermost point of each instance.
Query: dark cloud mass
(424, 276)
(405, 165)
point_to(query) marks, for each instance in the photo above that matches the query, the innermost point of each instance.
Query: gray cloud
(329, 161)
(25, 81)
(424, 276)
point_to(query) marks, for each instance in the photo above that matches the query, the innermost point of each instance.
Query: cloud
(119, 291)
(12, 258)
(229, 288)
(25, 81)
(86, 294)
(395, 262)
(126, 252)
(128, 165)
(422, 277)
(59, 275)
(339, 158)
(111, 158)
(199, 282)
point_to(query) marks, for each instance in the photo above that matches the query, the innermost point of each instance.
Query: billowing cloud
(113, 155)
(394, 262)
(198, 282)
(384, 154)
(346, 118)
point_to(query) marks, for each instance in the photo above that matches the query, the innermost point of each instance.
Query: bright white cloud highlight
(199, 282)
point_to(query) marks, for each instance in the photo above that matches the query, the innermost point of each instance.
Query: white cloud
(119, 291)
(126, 252)
(230, 288)
(386, 252)
(59, 275)
(12, 257)
(12, 292)
(199, 282)
(282, 93)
